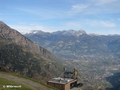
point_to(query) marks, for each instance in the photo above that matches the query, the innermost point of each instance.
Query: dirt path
(26, 82)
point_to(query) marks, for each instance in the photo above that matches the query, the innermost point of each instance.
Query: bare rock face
(14, 36)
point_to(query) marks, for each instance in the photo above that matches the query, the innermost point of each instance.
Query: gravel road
(26, 82)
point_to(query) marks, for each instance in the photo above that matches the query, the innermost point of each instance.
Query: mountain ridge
(72, 31)
(10, 34)
(64, 32)
(75, 44)
(21, 55)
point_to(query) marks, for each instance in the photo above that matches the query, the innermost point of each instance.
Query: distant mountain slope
(97, 57)
(112, 42)
(19, 54)
(78, 44)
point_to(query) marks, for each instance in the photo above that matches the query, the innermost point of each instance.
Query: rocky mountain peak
(3, 26)
(75, 43)
(36, 31)
(74, 31)
(14, 36)
(70, 32)
(2, 23)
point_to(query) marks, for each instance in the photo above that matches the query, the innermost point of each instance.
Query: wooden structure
(62, 83)
(68, 81)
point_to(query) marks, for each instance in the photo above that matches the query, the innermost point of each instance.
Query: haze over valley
(97, 57)
(39, 37)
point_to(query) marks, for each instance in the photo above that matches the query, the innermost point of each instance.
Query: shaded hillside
(14, 36)
(114, 80)
(19, 54)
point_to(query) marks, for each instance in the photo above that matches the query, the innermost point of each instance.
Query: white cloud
(78, 8)
(28, 28)
(107, 24)
(42, 13)
(106, 6)
(103, 2)
(99, 23)
(95, 7)
(91, 26)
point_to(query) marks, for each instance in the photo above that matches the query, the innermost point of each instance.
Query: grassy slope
(4, 83)
(23, 86)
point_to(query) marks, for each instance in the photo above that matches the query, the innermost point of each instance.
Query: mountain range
(20, 55)
(77, 44)
(97, 57)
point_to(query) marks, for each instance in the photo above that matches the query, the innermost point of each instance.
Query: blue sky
(93, 16)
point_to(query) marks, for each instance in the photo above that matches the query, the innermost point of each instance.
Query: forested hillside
(20, 55)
